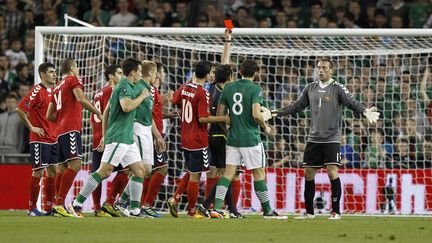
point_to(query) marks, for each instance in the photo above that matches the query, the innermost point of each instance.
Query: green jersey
(120, 126)
(144, 110)
(239, 97)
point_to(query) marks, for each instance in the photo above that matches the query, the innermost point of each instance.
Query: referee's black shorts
(217, 151)
(317, 155)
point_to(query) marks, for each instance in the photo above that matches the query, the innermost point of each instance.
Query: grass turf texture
(16, 227)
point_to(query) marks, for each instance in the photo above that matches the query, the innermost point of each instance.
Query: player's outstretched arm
(300, 104)
(50, 115)
(423, 87)
(227, 47)
(79, 95)
(128, 104)
(24, 118)
(259, 118)
(214, 119)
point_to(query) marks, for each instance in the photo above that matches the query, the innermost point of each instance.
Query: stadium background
(393, 83)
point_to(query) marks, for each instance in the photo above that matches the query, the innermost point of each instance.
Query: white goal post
(382, 67)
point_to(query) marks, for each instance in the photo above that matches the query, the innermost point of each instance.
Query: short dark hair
(248, 68)
(130, 65)
(222, 73)
(20, 67)
(66, 65)
(159, 66)
(202, 68)
(43, 68)
(12, 95)
(111, 69)
(326, 59)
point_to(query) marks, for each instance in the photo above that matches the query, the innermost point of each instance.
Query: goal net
(386, 167)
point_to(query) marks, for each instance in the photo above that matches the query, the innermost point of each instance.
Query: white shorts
(120, 153)
(143, 138)
(253, 157)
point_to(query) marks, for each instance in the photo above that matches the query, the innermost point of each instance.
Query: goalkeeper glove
(266, 113)
(372, 114)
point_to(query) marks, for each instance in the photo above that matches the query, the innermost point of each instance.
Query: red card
(229, 24)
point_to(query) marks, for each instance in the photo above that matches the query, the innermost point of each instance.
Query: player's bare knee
(230, 172)
(75, 164)
(163, 170)
(195, 177)
(147, 171)
(37, 173)
(259, 174)
(105, 170)
(61, 168)
(51, 171)
(212, 172)
(310, 173)
(332, 171)
(137, 169)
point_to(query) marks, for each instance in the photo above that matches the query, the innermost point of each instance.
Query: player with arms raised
(43, 143)
(326, 98)
(66, 109)
(195, 115)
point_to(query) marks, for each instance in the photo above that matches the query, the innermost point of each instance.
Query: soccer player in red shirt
(113, 74)
(66, 110)
(32, 110)
(195, 115)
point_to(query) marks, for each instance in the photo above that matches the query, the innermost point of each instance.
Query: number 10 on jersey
(187, 113)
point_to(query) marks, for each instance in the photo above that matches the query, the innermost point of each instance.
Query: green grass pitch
(16, 227)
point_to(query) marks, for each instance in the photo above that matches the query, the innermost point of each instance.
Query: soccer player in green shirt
(243, 99)
(144, 130)
(120, 147)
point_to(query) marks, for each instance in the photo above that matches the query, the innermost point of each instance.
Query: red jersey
(194, 100)
(100, 101)
(69, 110)
(35, 104)
(157, 108)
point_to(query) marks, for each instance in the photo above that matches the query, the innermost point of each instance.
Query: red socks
(49, 191)
(96, 195)
(58, 182)
(192, 194)
(66, 183)
(34, 191)
(117, 186)
(153, 189)
(211, 182)
(236, 188)
(145, 189)
(181, 188)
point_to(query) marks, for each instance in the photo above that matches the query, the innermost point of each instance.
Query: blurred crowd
(401, 93)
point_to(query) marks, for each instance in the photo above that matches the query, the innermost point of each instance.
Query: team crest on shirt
(326, 98)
